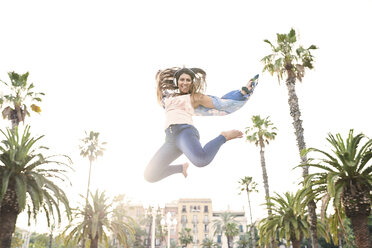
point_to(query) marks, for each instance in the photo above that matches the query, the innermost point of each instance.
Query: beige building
(196, 214)
(193, 213)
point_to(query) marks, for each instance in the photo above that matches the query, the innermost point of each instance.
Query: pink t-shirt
(178, 110)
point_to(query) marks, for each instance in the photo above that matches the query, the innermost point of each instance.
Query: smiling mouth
(184, 88)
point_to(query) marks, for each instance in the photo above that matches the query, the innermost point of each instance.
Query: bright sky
(96, 62)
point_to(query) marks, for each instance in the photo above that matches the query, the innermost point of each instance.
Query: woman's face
(184, 83)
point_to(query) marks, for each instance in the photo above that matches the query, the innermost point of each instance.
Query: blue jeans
(234, 95)
(181, 139)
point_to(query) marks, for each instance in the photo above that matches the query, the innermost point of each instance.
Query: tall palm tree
(289, 220)
(96, 217)
(248, 185)
(285, 60)
(27, 180)
(92, 148)
(260, 133)
(222, 225)
(21, 91)
(346, 178)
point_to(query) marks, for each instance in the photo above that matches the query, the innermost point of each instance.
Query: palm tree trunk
(296, 243)
(265, 179)
(253, 236)
(90, 169)
(251, 226)
(360, 228)
(266, 184)
(299, 132)
(86, 199)
(94, 242)
(8, 218)
(14, 120)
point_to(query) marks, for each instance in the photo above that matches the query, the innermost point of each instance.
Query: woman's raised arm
(203, 100)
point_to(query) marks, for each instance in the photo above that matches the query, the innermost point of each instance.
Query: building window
(205, 209)
(194, 208)
(206, 220)
(195, 239)
(219, 239)
(195, 228)
(194, 218)
(206, 229)
(241, 228)
(183, 225)
(184, 209)
(183, 219)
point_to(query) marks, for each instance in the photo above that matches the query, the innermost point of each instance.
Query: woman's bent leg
(159, 166)
(188, 142)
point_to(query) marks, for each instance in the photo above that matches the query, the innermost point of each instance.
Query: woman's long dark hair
(167, 85)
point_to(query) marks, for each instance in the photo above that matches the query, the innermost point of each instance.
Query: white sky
(96, 62)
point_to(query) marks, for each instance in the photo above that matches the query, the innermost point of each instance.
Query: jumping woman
(180, 92)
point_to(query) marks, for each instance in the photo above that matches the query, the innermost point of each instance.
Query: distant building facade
(194, 213)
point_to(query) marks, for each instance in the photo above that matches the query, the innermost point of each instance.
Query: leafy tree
(17, 239)
(185, 237)
(345, 178)
(27, 181)
(289, 220)
(248, 185)
(286, 60)
(39, 240)
(94, 219)
(21, 91)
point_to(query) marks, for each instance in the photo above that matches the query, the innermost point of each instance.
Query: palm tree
(91, 148)
(223, 225)
(244, 241)
(285, 60)
(185, 237)
(208, 243)
(289, 220)
(21, 91)
(231, 232)
(27, 181)
(262, 132)
(248, 185)
(346, 178)
(94, 219)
